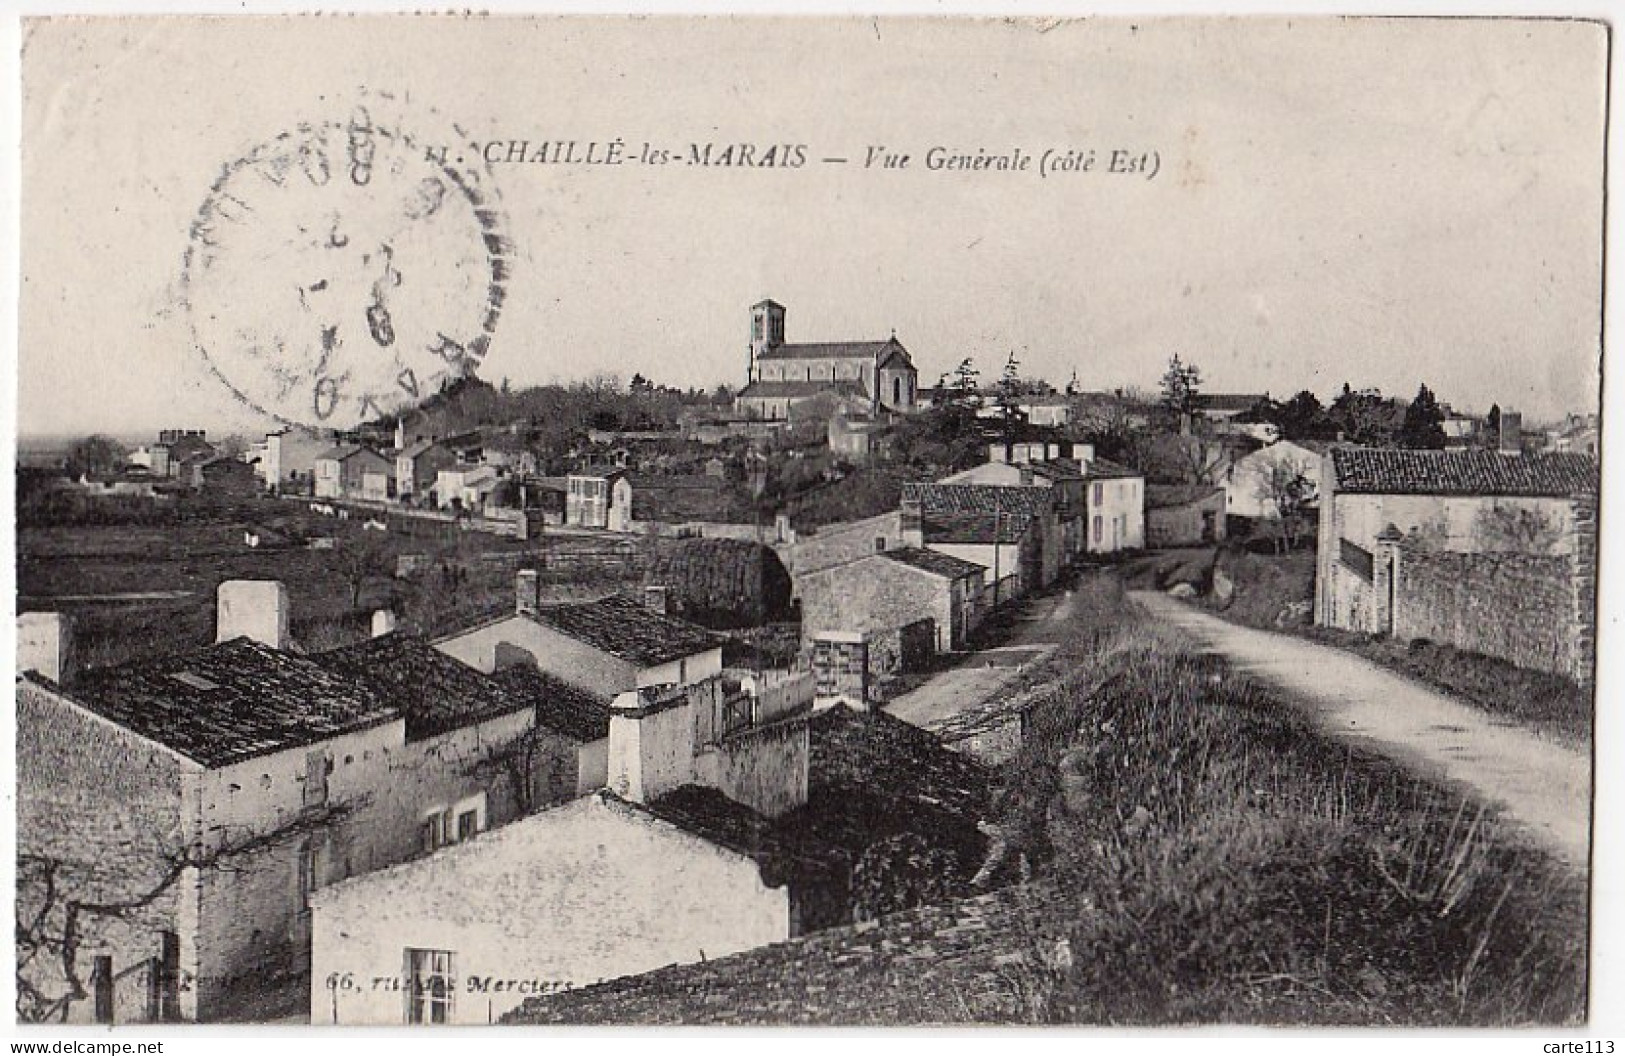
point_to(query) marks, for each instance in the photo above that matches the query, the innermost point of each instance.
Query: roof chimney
(45, 644)
(252, 608)
(655, 598)
(528, 591)
(651, 742)
(383, 622)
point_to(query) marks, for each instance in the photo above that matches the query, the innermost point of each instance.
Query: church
(865, 378)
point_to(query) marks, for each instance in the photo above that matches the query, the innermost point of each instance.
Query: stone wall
(873, 597)
(1533, 610)
(104, 809)
(766, 768)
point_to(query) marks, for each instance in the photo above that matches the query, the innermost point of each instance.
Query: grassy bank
(1234, 866)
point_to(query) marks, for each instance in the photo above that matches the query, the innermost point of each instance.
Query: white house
(1248, 491)
(599, 498)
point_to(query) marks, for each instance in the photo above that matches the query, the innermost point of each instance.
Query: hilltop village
(810, 700)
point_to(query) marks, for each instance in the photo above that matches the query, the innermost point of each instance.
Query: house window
(880, 543)
(468, 825)
(1100, 493)
(1099, 528)
(317, 766)
(434, 832)
(433, 985)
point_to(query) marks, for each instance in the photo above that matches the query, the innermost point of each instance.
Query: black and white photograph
(695, 520)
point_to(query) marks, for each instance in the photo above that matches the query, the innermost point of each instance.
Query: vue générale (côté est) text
(1042, 161)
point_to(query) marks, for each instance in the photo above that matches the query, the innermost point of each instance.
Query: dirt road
(1542, 785)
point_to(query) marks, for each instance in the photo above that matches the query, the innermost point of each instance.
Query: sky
(1379, 201)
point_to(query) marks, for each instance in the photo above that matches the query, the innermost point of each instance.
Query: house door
(1209, 522)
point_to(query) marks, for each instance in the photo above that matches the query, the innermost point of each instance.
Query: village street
(1542, 785)
(1038, 624)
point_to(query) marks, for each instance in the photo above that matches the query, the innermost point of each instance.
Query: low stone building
(340, 472)
(1011, 531)
(1184, 515)
(879, 595)
(607, 646)
(1483, 550)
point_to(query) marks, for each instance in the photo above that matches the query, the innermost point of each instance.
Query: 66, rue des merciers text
(1043, 161)
(352, 983)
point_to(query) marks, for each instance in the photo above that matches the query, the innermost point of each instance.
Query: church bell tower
(766, 332)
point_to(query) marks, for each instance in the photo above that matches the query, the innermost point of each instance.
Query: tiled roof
(1106, 469)
(830, 350)
(435, 692)
(416, 451)
(780, 850)
(231, 701)
(626, 628)
(979, 498)
(1221, 401)
(1385, 471)
(945, 565)
(870, 754)
(799, 389)
(345, 451)
(960, 961)
(977, 528)
(1163, 496)
(576, 713)
(1060, 469)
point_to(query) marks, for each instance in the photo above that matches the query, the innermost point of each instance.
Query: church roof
(833, 350)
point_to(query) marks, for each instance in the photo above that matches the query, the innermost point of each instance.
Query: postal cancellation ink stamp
(346, 267)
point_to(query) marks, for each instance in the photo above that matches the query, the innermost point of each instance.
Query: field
(1231, 865)
(332, 592)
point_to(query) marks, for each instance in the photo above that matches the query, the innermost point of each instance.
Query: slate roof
(979, 498)
(626, 628)
(975, 528)
(435, 692)
(1384, 471)
(231, 701)
(1106, 469)
(1165, 496)
(959, 961)
(799, 389)
(937, 564)
(577, 713)
(831, 350)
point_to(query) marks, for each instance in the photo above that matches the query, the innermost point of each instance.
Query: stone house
(289, 462)
(878, 374)
(219, 789)
(599, 497)
(1011, 531)
(1066, 475)
(704, 843)
(1489, 551)
(418, 466)
(468, 487)
(223, 476)
(608, 646)
(340, 472)
(1183, 515)
(882, 593)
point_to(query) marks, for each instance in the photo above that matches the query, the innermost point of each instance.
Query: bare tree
(52, 919)
(1287, 490)
(362, 558)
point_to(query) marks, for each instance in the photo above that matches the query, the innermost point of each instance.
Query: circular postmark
(346, 268)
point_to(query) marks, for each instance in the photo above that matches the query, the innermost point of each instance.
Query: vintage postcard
(808, 521)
